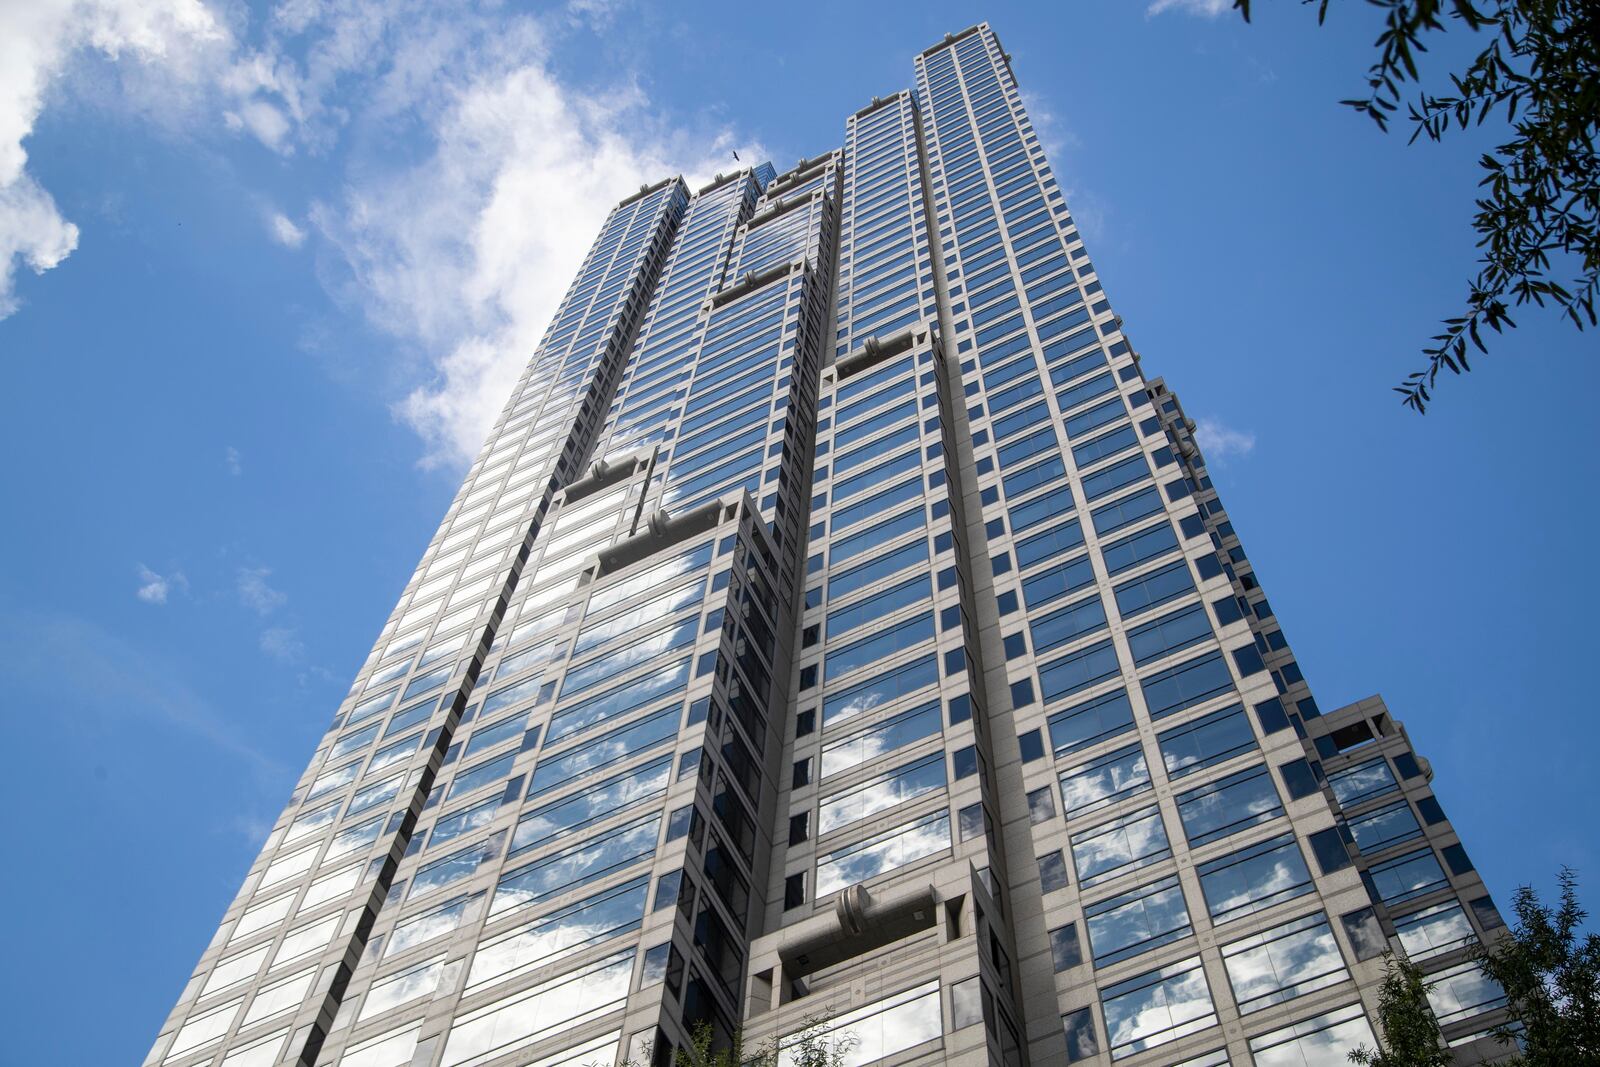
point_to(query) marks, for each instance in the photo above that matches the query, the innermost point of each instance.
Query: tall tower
(839, 632)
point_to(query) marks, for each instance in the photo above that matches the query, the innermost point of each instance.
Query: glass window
(884, 853)
(419, 980)
(1407, 876)
(1434, 931)
(1186, 684)
(1206, 741)
(1379, 828)
(594, 753)
(595, 634)
(1352, 785)
(491, 771)
(203, 1028)
(539, 1011)
(1081, 1040)
(1228, 805)
(880, 566)
(1159, 1006)
(1364, 932)
(280, 997)
(435, 922)
(1461, 992)
(626, 657)
(313, 937)
(1139, 547)
(601, 800)
(464, 821)
(899, 786)
(1052, 542)
(260, 1052)
(878, 605)
(1104, 781)
(1052, 872)
(1285, 962)
(1157, 587)
(889, 735)
(353, 741)
(1090, 722)
(1078, 670)
(1057, 581)
(1110, 849)
(588, 922)
(885, 687)
(1139, 920)
(1064, 949)
(875, 1031)
(886, 642)
(549, 875)
(1253, 878)
(1161, 637)
(1323, 1041)
(454, 867)
(1067, 624)
(259, 916)
(235, 969)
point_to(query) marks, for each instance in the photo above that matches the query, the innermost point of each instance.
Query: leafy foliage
(1538, 217)
(1551, 976)
(1411, 1035)
(814, 1046)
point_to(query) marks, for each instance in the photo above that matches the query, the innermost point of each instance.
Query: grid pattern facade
(840, 632)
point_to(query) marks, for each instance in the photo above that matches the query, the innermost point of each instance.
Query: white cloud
(282, 643)
(154, 588)
(469, 251)
(255, 593)
(284, 230)
(1220, 442)
(461, 250)
(39, 39)
(234, 461)
(104, 679)
(1204, 8)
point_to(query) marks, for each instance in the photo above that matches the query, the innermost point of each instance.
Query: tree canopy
(1538, 212)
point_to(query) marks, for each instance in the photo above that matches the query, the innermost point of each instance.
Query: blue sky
(292, 256)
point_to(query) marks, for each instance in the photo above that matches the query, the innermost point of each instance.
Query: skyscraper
(839, 632)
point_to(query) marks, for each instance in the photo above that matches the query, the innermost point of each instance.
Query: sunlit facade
(839, 632)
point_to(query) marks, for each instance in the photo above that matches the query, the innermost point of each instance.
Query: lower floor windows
(1159, 1006)
(1105, 851)
(1325, 1039)
(1404, 877)
(897, 848)
(1462, 992)
(876, 1031)
(1433, 931)
(1253, 878)
(1280, 964)
(1123, 926)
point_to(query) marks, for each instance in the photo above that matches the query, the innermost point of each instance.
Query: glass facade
(839, 633)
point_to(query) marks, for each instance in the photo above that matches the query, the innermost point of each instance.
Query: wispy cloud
(101, 675)
(467, 252)
(1204, 8)
(154, 588)
(284, 230)
(178, 42)
(234, 461)
(1220, 442)
(462, 250)
(256, 594)
(283, 643)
